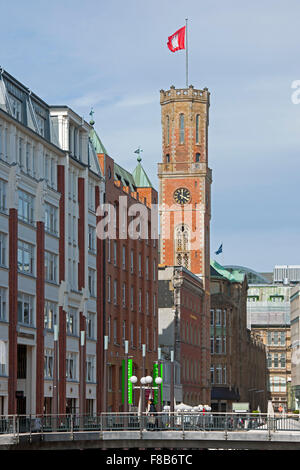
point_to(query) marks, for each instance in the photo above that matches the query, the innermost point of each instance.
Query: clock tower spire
(185, 181)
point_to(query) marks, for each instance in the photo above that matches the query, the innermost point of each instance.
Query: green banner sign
(155, 374)
(127, 381)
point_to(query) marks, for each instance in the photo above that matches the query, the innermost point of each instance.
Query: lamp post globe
(143, 381)
(133, 379)
(148, 379)
(158, 380)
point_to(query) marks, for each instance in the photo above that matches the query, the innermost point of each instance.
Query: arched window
(167, 130)
(197, 128)
(197, 157)
(181, 128)
(182, 246)
(168, 158)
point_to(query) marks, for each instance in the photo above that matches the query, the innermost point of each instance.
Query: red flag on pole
(177, 40)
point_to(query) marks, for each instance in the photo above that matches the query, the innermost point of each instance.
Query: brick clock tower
(185, 181)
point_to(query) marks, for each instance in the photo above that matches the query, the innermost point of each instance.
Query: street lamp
(145, 384)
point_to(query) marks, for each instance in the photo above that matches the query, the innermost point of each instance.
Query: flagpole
(186, 53)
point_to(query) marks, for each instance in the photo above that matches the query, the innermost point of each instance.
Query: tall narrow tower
(185, 181)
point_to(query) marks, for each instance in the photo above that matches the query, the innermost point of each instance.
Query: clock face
(182, 195)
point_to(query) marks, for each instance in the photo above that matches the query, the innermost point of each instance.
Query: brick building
(184, 190)
(130, 264)
(181, 303)
(238, 356)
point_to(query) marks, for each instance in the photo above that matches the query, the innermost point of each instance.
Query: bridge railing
(177, 421)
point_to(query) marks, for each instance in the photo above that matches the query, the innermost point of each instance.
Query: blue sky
(113, 56)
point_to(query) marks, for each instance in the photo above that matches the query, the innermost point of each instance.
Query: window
(27, 158)
(3, 190)
(25, 257)
(71, 360)
(140, 300)
(50, 267)
(71, 322)
(181, 128)
(108, 288)
(147, 267)
(283, 360)
(115, 292)
(131, 261)
(167, 130)
(3, 362)
(154, 270)
(147, 303)
(48, 364)
(224, 375)
(124, 294)
(140, 337)
(90, 325)
(115, 332)
(147, 339)
(275, 361)
(108, 328)
(50, 315)
(154, 305)
(3, 143)
(131, 297)
(108, 250)
(25, 309)
(275, 338)
(91, 197)
(269, 360)
(282, 338)
(218, 345)
(92, 239)
(41, 125)
(132, 335)
(212, 312)
(219, 374)
(212, 375)
(51, 218)
(92, 281)
(16, 107)
(26, 206)
(154, 339)
(115, 253)
(90, 368)
(218, 317)
(197, 157)
(212, 345)
(197, 128)
(3, 239)
(3, 292)
(123, 332)
(123, 257)
(140, 265)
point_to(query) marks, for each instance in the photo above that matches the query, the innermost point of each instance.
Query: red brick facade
(130, 289)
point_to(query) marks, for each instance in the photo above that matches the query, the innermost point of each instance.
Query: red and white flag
(177, 40)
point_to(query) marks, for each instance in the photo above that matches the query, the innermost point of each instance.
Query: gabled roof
(140, 177)
(217, 270)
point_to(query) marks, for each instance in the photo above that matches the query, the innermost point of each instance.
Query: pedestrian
(151, 410)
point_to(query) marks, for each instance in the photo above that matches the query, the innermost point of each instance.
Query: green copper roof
(140, 177)
(124, 176)
(234, 276)
(96, 141)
